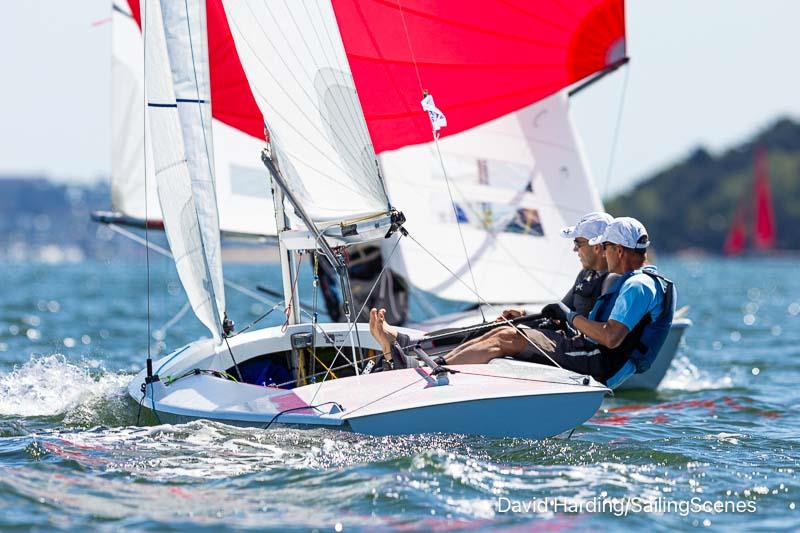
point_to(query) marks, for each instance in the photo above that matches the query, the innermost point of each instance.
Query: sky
(702, 72)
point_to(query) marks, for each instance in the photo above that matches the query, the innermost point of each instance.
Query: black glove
(559, 311)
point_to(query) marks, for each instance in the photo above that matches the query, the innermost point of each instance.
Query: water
(722, 428)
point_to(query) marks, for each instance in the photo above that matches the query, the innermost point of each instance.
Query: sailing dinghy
(329, 193)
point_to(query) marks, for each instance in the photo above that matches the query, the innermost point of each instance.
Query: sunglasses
(607, 244)
(579, 244)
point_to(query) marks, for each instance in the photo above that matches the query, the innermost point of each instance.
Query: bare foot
(381, 331)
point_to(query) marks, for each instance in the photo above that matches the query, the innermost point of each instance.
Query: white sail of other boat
(128, 118)
(243, 195)
(516, 180)
(179, 109)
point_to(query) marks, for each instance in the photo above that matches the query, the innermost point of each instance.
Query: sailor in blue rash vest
(630, 321)
(626, 327)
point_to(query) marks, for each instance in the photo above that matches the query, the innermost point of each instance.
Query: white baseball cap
(625, 231)
(589, 226)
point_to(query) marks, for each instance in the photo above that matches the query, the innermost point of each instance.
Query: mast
(289, 258)
(288, 270)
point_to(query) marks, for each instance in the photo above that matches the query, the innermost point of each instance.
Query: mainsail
(179, 108)
(758, 216)
(128, 141)
(737, 235)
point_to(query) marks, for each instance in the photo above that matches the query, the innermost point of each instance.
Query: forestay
(178, 104)
(242, 185)
(516, 182)
(294, 60)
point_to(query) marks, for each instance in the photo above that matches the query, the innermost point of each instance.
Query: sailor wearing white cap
(590, 280)
(631, 320)
(506, 340)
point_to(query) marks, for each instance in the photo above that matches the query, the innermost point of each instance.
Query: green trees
(691, 204)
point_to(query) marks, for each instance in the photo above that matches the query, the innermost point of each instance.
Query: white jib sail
(242, 183)
(179, 108)
(516, 181)
(293, 57)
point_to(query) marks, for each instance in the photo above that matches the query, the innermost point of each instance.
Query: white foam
(684, 375)
(51, 385)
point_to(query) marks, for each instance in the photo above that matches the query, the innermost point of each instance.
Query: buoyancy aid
(641, 345)
(587, 289)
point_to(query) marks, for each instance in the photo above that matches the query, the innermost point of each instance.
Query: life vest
(587, 289)
(641, 345)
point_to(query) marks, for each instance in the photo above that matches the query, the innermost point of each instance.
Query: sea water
(716, 446)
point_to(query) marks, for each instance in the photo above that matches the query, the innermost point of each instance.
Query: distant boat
(759, 215)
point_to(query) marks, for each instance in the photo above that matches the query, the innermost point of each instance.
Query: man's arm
(629, 308)
(610, 334)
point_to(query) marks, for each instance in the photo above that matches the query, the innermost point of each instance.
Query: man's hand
(559, 311)
(508, 314)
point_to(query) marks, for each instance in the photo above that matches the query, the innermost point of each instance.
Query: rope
(314, 315)
(518, 378)
(617, 128)
(235, 364)
(355, 320)
(259, 319)
(302, 408)
(458, 223)
(410, 48)
(490, 306)
(439, 154)
(288, 310)
(161, 251)
(146, 203)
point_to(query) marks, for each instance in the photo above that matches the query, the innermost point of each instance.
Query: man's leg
(383, 332)
(498, 342)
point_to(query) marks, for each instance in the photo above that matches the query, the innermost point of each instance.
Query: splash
(52, 386)
(683, 375)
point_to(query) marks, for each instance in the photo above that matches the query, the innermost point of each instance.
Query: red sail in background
(734, 243)
(232, 100)
(480, 60)
(764, 216)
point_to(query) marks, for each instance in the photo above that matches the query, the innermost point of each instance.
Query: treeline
(38, 213)
(691, 204)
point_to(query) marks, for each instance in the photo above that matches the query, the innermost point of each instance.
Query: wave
(51, 386)
(684, 375)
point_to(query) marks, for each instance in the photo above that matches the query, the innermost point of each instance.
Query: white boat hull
(500, 399)
(651, 379)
